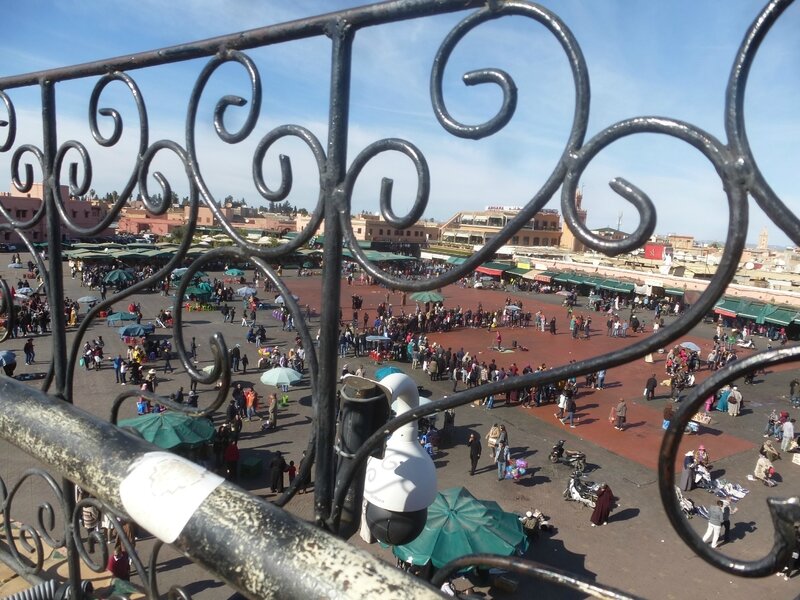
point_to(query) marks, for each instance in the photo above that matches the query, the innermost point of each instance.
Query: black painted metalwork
(207, 537)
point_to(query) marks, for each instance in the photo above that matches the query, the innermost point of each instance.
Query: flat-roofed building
(22, 207)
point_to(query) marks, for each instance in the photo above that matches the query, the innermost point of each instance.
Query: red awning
(543, 278)
(725, 313)
(489, 271)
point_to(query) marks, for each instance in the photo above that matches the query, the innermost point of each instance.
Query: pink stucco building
(22, 207)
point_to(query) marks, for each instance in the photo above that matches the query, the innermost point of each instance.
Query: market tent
(136, 330)
(729, 307)
(545, 277)
(456, 260)
(532, 274)
(782, 315)
(493, 269)
(673, 291)
(576, 278)
(592, 281)
(754, 311)
(615, 285)
(518, 271)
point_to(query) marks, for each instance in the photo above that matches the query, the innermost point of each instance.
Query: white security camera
(401, 486)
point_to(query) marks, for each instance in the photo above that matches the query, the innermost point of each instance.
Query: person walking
(231, 457)
(502, 457)
(600, 378)
(244, 361)
(715, 518)
(734, 401)
(277, 468)
(273, 411)
(622, 413)
(118, 362)
(650, 388)
(788, 434)
(29, 352)
(474, 444)
(570, 408)
(602, 508)
(167, 364)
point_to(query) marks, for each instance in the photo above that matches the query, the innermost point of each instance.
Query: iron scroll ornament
(739, 176)
(785, 512)
(734, 163)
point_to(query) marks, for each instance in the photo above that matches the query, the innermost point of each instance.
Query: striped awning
(532, 274)
(493, 269)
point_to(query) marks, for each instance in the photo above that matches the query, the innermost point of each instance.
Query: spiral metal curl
(735, 128)
(532, 569)
(106, 142)
(580, 76)
(785, 513)
(734, 163)
(24, 184)
(32, 536)
(9, 125)
(285, 187)
(7, 312)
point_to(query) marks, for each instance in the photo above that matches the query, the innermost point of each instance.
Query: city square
(415, 299)
(625, 460)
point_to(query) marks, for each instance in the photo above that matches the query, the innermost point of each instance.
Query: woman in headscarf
(602, 508)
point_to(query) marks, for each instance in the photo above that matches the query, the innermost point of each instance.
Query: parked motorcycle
(746, 343)
(580, 491)
(573, 458)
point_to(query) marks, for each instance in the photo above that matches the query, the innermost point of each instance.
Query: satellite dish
(749, 266)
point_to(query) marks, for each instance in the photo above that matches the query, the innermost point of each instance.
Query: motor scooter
(580, 491)
(746, 343)
(573, 458)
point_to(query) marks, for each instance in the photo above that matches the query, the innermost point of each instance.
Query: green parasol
(459, 524)
(171, 429)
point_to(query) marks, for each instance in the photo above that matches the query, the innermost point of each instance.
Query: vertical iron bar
(55, 295)
(341, 55)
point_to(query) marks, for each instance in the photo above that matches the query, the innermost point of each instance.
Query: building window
(536, 241)
(358, 230)
(86, 214)
(380, 231)
(515, 240)
(526, 241)
(408, 233)
(370, 232)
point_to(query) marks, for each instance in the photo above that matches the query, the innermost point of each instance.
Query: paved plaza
(637, 551)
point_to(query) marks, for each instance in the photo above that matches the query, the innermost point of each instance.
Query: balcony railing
(100, 458)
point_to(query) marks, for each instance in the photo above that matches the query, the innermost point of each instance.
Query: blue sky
(644, 58)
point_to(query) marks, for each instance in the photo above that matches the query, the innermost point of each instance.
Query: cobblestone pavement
(637, 551)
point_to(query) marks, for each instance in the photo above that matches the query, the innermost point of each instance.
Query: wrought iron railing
(262, 565)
